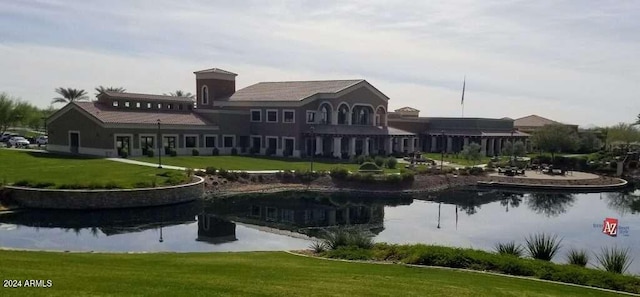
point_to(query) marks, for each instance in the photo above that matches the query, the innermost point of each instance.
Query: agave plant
(614, 259)
(543, 246)
(578, 257)
(509, 248)
(342, 237)
(318, 246)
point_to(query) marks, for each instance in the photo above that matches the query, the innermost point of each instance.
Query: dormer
(408, 112)
(213, 84)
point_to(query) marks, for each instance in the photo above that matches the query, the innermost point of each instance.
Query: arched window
(324, 115)
(205, 95)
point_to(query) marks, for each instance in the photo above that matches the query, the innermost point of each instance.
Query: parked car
(42, 140)
(18, 141)
(6, 136)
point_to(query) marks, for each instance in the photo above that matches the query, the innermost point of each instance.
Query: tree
(101, 89)
(472, 152)
(623, 134)
(70, 95)
(507, 148)
(518, 149)
(14, 112)
(555, 138)
(589, 142)
(180, 93)
(6, 111)
(637, 122)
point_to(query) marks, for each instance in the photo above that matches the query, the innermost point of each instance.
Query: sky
(571, 61)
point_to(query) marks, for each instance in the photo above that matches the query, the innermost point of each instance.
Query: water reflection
(550, 204)
(624, 202)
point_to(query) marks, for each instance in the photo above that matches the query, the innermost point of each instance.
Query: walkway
(535, 174)
(141, 163)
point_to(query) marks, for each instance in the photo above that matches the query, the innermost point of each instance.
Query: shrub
(306, 176)
(195, 152)
(542, 246)
(244, 174)
(222, 172)
(189, 172)
(150, 153)
(342, 238)
(234, 151)
(318, 246)
(379, 161)
(407, 176)
(215, 151)
(509, 248)
(339, 173)
(210, 170)
(124, 152)
(614, 259)
(393, 178)
(476, 171)
(578, 257)
(391, 162)
(173, 152)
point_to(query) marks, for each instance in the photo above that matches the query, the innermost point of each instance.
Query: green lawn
(251, 274)
(251, 163)
(452, 159)
(42, 167)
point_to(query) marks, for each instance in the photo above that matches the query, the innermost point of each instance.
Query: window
(272, 214)
(287, 215)
(170, 142)
(115, 103)
(190, 141)
(205, 95)
(159, 105)
(311, 116)
(126, 104)
(137, 104)
(146, 142)
(148, 105)
(272, 116)
(288, 116)
(228, 141)
(210, 141)
(256, 115)
(169, 106)
(255, 210)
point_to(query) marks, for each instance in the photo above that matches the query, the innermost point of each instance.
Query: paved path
(141, 163)
(534, 174)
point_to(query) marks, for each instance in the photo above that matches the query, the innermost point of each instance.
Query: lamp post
(159, 154)
(442, 152)
(313, 145)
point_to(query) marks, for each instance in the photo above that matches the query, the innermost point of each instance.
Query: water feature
(464, 218)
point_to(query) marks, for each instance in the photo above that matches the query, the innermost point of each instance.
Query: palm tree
(69, 95)
(637, 122)
(180, 93)
(101, 89)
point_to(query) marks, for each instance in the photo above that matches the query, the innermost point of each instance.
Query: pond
(284, 221)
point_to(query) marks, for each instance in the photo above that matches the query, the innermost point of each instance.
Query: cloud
(569, 61)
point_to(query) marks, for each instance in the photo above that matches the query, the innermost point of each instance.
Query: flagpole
(464, 83)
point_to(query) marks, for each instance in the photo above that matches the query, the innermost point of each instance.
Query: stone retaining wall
(104, 199)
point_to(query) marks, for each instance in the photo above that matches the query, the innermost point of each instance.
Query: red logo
(610, 227)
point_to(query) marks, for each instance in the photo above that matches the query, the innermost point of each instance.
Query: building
(531, 123)
(332, 118)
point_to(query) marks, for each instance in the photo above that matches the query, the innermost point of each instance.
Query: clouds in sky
(572, 61)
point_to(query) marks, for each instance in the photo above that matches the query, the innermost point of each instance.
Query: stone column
(491, 142)
(388, 145)
(449, 144)
(337, 146)
(466, 142)
(483, 146)
(349, 118)
(352, 146)
(319, 145)
(402, 144)
(365, 147)
(334, 117)
(499, 146)
(434, 143)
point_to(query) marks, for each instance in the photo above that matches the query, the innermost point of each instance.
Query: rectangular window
(256, 115)
(190, 141)
(287, 215)
(148, 105)
(137, 104)
(228, 141)
(311, 117)
(169, 106)
(115, 103)
(146, 142)
(126, 104)
(288, 116)
(210, 141)
(272, 214)
(272, 116)
(159, 105)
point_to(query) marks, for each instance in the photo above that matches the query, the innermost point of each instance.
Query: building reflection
(306, 213)
(215, 230)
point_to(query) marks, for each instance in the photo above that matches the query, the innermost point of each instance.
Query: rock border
(105, 198)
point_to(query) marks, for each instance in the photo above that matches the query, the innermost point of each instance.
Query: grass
(452, 159)
(251, 274)
(59, 170)
(253, 163)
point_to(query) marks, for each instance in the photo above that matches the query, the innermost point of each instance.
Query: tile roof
(137, 96)
(533, 121)
(406, 108)
(215, 70)
(106, 114)
(290, 90)
(474, 132)
(358, 130)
